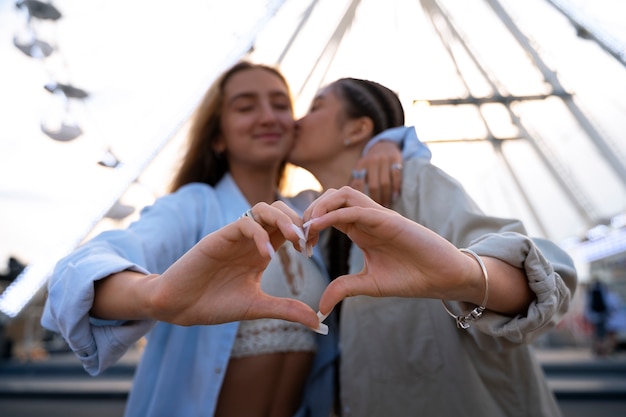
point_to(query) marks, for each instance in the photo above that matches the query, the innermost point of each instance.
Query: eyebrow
(248, 95)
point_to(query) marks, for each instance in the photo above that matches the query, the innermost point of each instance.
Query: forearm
(123, 296)
(509, 292)
(507, 287)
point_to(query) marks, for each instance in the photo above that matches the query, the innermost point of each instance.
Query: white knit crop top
(289, 274)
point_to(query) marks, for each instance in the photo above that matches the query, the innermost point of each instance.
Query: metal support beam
(586, 30)
(494, 98)
(608, 151)
(446, 29)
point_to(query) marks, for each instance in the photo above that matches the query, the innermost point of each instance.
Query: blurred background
(523, 102)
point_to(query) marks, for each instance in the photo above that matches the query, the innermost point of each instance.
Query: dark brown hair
(364, 98)
(200, 162)
(361, 98)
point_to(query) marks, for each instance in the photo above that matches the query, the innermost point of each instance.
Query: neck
(337, 172)
(257, 185)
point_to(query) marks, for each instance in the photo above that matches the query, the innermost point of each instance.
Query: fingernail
(322, 329)
(321, 316)
(308, 224)
(309, 250)
(270, 249)
(298, 231)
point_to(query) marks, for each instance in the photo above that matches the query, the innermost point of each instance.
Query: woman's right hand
(380, 173)
(216, 281)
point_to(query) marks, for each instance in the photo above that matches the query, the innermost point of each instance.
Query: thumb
(335, 292)
(290, 310)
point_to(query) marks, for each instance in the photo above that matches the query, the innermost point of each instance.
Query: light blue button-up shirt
(182, 368)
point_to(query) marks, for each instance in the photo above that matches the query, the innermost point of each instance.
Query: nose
(268, 114)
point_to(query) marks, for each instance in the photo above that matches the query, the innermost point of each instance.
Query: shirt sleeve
(164, 232)
(407, 140)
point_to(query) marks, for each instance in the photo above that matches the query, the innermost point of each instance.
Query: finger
(359, 176)
(366, 219)
(373, 181)
(291, 223)
(333, 199)
(385, 183)
(276, 215)
(286, 309)
(308, 213)
(295, 217)
(279, 216)
(247, 228)
(396, 180)
(344, 287)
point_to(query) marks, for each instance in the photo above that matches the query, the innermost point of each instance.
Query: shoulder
(194, 189)
(421, 177)
(189, 194)
(188, 204)
(424, 169)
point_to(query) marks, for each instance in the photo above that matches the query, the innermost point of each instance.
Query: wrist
(464, 321)
(152, 302)
(475, 289)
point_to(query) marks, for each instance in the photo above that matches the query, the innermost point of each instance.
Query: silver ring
(396, 166)
(359, 174)
(248, 213)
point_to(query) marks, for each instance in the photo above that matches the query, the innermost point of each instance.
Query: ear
(359, 130)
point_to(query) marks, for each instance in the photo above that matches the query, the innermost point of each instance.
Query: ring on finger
(396, 167)
(248, 213)
(359, 174)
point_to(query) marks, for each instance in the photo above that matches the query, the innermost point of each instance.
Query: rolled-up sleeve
(440, 203)
(97, 343)
(551, 276)
(164, 232)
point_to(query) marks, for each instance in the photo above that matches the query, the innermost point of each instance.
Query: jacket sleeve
(440, 203)
(164, 232)
(551, 276)
(406, 138)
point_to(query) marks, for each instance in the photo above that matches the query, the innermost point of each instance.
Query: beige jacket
(406, 357)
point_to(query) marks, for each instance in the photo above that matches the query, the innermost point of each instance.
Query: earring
(346, 142)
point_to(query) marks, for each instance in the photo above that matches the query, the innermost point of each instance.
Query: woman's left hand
(402, 257)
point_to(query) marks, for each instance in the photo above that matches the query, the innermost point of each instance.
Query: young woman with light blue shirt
(111, 291)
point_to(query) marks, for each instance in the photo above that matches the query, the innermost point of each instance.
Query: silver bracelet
(476, 313)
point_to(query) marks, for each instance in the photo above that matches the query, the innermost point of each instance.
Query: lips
(269, 135)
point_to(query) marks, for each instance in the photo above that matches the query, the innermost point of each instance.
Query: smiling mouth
(272, 137)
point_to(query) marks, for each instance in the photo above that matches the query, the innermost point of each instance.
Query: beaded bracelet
(476, 313)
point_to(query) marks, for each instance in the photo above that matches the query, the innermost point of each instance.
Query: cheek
(288, 123)
(234, 125)
(314, 126)
(318, 138)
